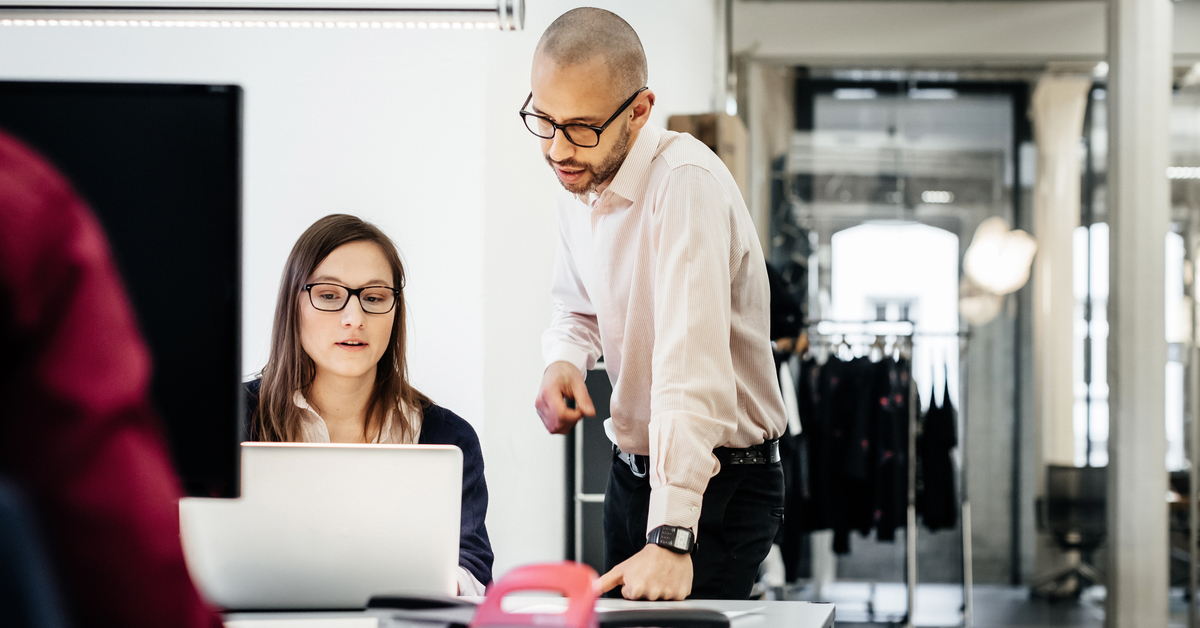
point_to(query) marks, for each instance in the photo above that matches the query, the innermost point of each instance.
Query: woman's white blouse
(314, 429)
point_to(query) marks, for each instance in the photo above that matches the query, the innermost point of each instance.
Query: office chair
(1075, 513)
(28, 597)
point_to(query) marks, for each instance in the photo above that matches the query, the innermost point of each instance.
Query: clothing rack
(890, 328)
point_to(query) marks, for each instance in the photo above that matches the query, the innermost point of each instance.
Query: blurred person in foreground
(78, 435)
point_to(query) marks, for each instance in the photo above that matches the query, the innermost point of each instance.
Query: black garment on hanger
(791, 531)
(937, 502)
(787, 319)
(787, 322)
(826, 441)
(857, 447)
(891, 453)
(860, 465)
(793, 543)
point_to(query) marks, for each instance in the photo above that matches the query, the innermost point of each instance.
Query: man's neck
(585, 198)
(633, 135)
(342, 401)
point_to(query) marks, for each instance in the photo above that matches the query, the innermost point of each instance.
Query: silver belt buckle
(631, 460)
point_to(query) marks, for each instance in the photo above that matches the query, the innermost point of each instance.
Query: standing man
(660, 271)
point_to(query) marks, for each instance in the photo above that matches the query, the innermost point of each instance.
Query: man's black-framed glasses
(581, 135)
(332, 297)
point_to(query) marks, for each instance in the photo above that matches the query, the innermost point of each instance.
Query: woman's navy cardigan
(442, 427)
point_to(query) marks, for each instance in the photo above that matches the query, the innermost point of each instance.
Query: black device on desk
(160, 166)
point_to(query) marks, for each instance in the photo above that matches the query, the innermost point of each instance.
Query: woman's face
(348, 343)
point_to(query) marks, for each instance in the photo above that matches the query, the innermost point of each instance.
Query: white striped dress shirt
(662, 273)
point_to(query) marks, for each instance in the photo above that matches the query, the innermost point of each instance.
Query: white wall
(335, 121)
(416, 131)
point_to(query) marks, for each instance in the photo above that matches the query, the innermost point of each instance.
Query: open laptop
(322, 526)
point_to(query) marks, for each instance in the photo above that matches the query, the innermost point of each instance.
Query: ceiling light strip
(308, 23)
(506, 15)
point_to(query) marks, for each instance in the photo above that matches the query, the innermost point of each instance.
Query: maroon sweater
(76, 428)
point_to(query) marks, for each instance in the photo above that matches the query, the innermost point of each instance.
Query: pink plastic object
(575, 581)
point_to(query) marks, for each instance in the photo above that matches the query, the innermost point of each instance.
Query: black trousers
(742, 509)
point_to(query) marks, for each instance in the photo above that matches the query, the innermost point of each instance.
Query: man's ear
(641, 110)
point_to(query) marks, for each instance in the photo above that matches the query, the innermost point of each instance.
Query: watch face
(672, 538)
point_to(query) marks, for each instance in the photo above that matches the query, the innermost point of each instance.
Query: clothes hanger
(946, 388)
(877, 353)
(841, 347)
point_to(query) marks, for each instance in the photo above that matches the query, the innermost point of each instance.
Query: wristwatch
(674, 538)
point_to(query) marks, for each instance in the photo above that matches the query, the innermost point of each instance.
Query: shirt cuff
(674, 506)
(567, 352)
(468, 584)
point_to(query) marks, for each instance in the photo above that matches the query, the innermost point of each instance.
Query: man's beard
(599, 173)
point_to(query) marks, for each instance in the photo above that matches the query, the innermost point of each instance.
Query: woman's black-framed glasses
(581, 135)
(331, 297)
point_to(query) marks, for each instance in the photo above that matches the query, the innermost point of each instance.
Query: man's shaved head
(581, 34)
(587, 62)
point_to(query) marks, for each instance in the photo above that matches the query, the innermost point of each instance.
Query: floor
(939, 605)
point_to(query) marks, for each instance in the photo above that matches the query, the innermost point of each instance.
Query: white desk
(764, 615)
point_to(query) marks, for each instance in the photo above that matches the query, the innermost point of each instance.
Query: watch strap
(677, 539)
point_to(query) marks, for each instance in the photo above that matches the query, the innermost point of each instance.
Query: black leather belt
(765, 453)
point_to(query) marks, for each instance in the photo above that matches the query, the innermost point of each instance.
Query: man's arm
(574, 334)
(693, 397)
(570, 346)
(79, 433)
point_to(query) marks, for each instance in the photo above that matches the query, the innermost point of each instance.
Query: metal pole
(578, 435)
(910, 534)
(1087, 193)
(1192, 368)
(1192, 238)
(968, 569)
(1193, 484)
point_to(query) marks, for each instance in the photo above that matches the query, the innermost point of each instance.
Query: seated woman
(337, 372)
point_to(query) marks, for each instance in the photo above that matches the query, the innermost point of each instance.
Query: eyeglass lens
(579, 135)
(331, 298)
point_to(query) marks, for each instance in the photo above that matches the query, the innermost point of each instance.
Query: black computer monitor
(160, 165)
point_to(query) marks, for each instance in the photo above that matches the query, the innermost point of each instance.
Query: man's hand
(655, 573)
(560, 382)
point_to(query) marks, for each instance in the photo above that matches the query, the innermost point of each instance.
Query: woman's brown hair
(290, 369)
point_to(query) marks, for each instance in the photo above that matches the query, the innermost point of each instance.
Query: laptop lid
(327, 526)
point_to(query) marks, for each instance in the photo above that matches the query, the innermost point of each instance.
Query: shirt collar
(593, 197)
(302, 403)
(310, 416)
(630, 181)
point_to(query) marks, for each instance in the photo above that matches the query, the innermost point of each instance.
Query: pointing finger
(612, 579)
